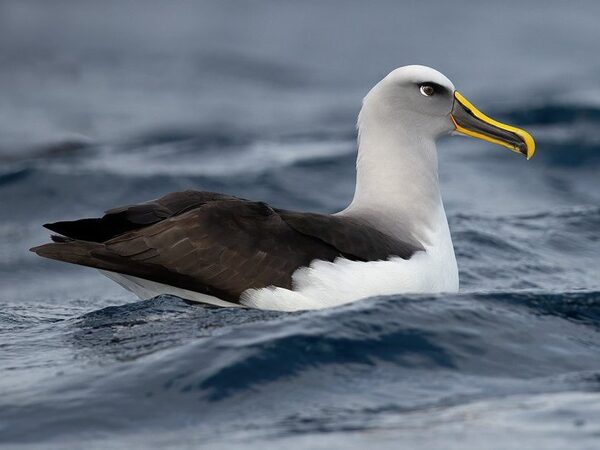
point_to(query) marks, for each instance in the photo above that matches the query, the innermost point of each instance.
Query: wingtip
(37, 249)
(49, 225)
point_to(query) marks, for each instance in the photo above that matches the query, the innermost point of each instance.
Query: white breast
(325, 284)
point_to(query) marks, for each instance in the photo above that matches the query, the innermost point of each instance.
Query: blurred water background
(104, 103)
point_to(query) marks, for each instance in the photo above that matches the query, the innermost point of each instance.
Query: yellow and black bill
(469, 121)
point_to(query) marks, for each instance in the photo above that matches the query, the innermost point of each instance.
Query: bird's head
(423, 100)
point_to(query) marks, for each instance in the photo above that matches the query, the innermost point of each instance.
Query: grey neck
(397, 187)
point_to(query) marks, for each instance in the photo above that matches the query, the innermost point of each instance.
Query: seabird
(227, 251)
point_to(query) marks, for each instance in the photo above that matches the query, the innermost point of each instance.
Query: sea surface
(104, 103)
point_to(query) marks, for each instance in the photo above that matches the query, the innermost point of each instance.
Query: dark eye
(427, 90)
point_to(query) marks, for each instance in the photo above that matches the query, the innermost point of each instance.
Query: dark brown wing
(215, 244)
(221, 248)
(120, 220)
(354, 238)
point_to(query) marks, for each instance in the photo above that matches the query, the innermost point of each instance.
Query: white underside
(146, 289)
(325, 284)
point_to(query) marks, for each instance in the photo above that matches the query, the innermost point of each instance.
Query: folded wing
(215, 244)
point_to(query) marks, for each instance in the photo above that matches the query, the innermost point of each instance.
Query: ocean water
(108, 103)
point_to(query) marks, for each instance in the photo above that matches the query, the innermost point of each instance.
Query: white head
(417, 97)
(401, 119)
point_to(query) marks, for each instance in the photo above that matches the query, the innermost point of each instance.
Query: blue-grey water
(104, 103)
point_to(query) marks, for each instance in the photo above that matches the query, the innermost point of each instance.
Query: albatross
(222, 250)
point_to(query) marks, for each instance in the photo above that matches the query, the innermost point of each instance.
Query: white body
(397, 192)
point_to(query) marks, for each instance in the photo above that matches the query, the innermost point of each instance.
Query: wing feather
(215, 244)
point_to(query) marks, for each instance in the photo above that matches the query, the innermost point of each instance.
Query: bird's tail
(70, 250)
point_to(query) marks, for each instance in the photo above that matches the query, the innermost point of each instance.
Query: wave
(547, 249)
(414, 332)
(413, 352)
